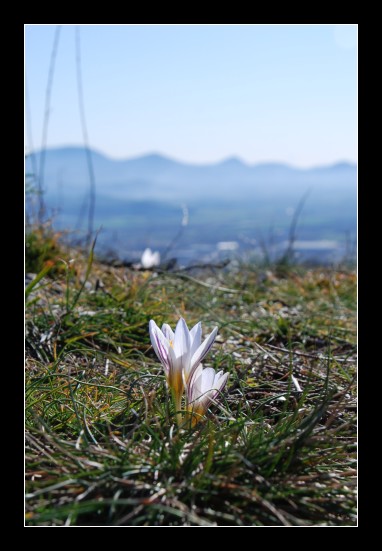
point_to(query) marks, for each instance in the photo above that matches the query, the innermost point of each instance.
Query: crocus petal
(168, 332)
(219, 384)
(175, 373)
(146, 258)
(209, 396)
(190, 383)
(156, 259)
(182, 339)
(207, 389)
(196, 338)
(201, 352)
(195, 389)
(207, 379)
(160, 344)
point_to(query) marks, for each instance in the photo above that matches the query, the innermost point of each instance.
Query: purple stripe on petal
(154, 334)
(162, 353)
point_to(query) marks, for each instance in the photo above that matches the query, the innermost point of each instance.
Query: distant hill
(155, 177)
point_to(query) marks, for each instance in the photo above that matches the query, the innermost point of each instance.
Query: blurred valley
(201, 212)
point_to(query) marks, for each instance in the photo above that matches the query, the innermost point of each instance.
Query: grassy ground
(102, 444)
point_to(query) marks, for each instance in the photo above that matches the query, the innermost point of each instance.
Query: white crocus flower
(180, 352)
(150, 259)
(203, 387)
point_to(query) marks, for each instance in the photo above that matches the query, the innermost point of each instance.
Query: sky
(198, 93)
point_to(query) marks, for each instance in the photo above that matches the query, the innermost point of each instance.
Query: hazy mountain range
(141, 197)
(157, 177)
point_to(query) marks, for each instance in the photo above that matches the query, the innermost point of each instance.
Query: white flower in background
(202, 390)
(150, 259)
(180, 352)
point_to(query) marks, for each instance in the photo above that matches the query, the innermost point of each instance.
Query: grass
(102, 444)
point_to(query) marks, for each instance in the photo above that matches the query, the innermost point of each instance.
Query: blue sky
(200, 93)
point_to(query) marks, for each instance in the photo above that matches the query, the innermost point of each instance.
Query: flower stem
(177, 397)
